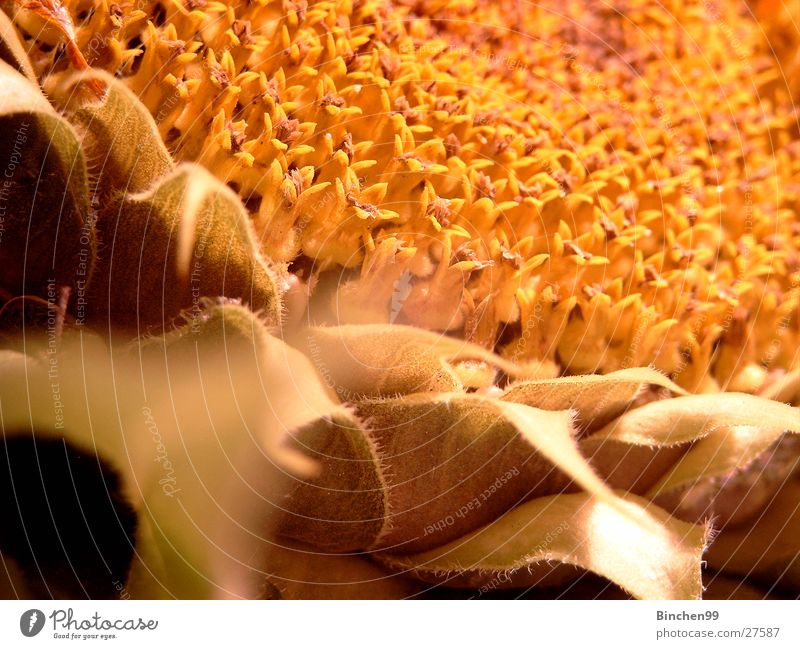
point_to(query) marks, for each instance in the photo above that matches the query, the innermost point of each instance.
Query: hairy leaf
(48, 232)
(345, 507)
(691, 453)
(297, 572)
(657, 559)
(730, 474)
(450, 463)
(768, 549)
(70, 521)
(385, 360)
(597, 398)
(195, 424)
(144, 284)
(687, 419)
(119, 135)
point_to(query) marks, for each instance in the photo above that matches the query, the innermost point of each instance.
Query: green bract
(48, 236)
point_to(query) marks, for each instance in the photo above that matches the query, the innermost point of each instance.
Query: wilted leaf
(597, 398)
(119, 135)
(630, 467)
(48, 235)
(731, 474)
(687, 419)
(345, 507)
(385, 360)
(144, 285)
(723, 587)
(767, 549)
(654, 559)
(450, 462)
(786, 389)
(305, 573)
(695, 443)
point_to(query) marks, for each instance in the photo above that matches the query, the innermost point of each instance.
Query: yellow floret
(568, 183)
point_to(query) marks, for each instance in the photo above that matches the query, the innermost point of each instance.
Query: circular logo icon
(31, 622)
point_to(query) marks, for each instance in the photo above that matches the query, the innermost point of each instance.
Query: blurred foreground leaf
(221, 394)
(195, 425)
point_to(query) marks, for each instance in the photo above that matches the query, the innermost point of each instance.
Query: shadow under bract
(64, 519)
